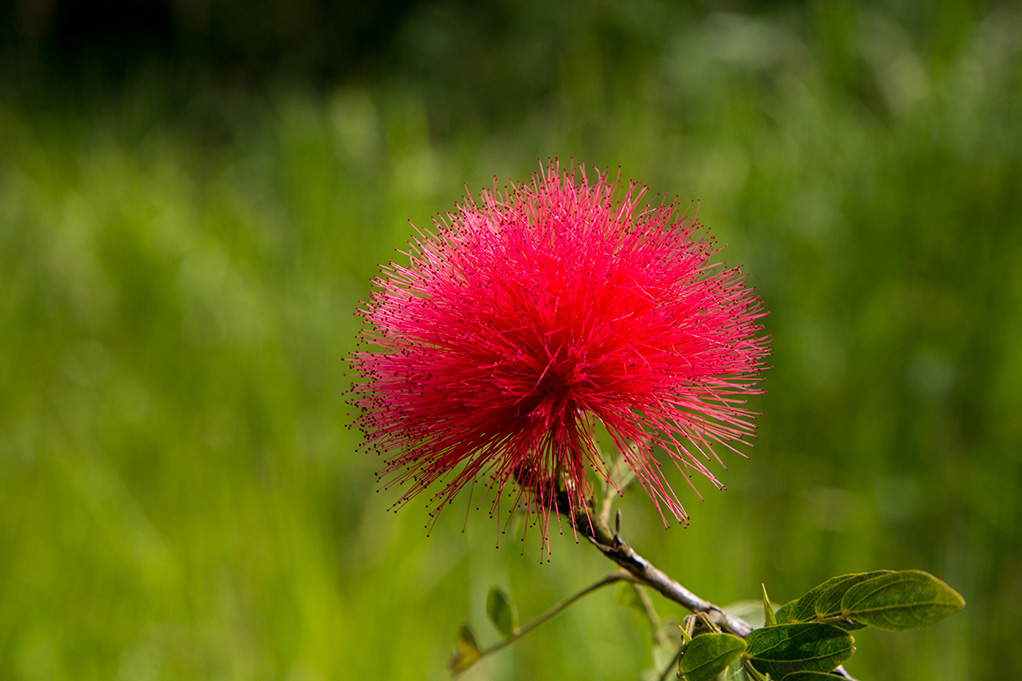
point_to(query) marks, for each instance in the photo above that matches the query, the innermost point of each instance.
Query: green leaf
(708, 655)
(467, 651)
(804, 609)
(901, 600)
(810, 676)
(810, 646)
(786, 613)
(502, 612)
(846, 624)
(828, 604)
(752, 673)
(736, 671)
(769, 618)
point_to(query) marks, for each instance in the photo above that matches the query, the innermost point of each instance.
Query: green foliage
(707, 655)
(885, 599)
(827, 605)
(820, 601)
(785, 648)
(903, 600)
(769, 617)
(786, 613)
(502, 612)
(466, 652)
(810, 634)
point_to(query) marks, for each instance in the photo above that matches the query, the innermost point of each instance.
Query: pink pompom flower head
(533, 314)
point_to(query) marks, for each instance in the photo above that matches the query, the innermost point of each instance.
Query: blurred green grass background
(180, 260)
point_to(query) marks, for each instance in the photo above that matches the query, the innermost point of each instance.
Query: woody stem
(609, 543)
(613, 547)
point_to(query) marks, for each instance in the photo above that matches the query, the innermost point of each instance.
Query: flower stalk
(594, 527)
(609, 542)
(556, 609)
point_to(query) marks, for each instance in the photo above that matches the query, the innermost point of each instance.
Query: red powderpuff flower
(531, 316)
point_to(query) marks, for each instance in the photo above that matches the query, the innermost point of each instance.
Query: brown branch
(612, 546)
(591, 526)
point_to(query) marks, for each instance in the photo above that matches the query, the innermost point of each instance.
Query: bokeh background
(195, 195)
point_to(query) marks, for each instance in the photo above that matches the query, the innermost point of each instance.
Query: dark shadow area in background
(106, 42)
(469, 60)
(241, 40)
